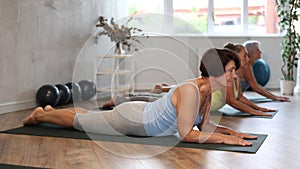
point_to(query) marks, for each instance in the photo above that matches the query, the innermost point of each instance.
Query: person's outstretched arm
(186, 101)
(249, 76)
(246, 101)
(242, 103)
(228, 135)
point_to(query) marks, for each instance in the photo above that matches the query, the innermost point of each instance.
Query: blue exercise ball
(47, 95)
(261, 70)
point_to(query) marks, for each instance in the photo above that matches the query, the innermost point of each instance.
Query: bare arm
(242, 103)
(227, 135)
(187, 104)
(246, 101)
(249, 76)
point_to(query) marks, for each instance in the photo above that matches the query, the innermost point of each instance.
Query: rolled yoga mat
(49, 130)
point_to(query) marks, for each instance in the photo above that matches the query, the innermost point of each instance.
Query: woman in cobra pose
(183, 107)
(246, 73)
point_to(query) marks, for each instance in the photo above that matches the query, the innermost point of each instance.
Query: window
(153, 6)
(262, 17)
(256, 17)
(193, 12)
(151, 16)
(227, 17)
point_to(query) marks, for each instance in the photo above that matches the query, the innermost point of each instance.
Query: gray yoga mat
(230, 111)
(258, 99)
(50, 130)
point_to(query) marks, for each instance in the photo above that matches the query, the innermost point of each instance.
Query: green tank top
(218, 99)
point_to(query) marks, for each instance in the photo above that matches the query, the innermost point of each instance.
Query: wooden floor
(280, 150)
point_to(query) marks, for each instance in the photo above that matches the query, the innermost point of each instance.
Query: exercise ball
(47, 95)
(65, 94)
(261, 72)
(75, 92)
(88, 89)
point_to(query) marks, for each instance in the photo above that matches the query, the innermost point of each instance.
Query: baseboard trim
(16, 106)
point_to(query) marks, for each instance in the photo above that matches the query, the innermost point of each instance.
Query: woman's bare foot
(109, 103)
(165, 84)
(48, 108)
(32, 119)
(157, 89)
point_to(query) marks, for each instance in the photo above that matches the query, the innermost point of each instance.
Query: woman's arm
(246, 101)
(217, 132)
(238, 104)
(208, 126)
(249, 76)
(226, 131)
(217, 138)
(186, 102)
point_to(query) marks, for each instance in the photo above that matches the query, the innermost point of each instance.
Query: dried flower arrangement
(123, 36)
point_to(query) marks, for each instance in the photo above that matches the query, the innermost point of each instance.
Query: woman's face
(228, 77)
(230, 74)
(256, 53)
(243, 55)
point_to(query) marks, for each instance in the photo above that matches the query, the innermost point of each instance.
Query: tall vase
(119, 49)
(297, 87)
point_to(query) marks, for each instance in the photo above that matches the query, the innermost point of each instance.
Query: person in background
(157, 92)
(232, 94)
(246, 74)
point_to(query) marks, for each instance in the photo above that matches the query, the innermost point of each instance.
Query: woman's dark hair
(213, 58)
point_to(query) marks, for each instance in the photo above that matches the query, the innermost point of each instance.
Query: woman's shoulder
(241, 72)
(247, 67)
(185, 91)
(196, 85)
(188, 86)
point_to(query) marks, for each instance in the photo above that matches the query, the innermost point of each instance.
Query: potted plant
(288, 16)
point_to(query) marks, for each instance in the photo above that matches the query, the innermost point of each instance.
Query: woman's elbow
(184, 139)
(230, 101)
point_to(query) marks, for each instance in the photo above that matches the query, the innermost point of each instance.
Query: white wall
(39, 43)
(166, 58)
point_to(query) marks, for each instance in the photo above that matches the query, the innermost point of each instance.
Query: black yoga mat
(50, 130)
(230, 111)
(10, 166)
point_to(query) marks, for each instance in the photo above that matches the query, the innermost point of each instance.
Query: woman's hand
(282, 99)
(234, 140)
(266, 110)
(232, 137)
(242, 135)
(259, 113)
